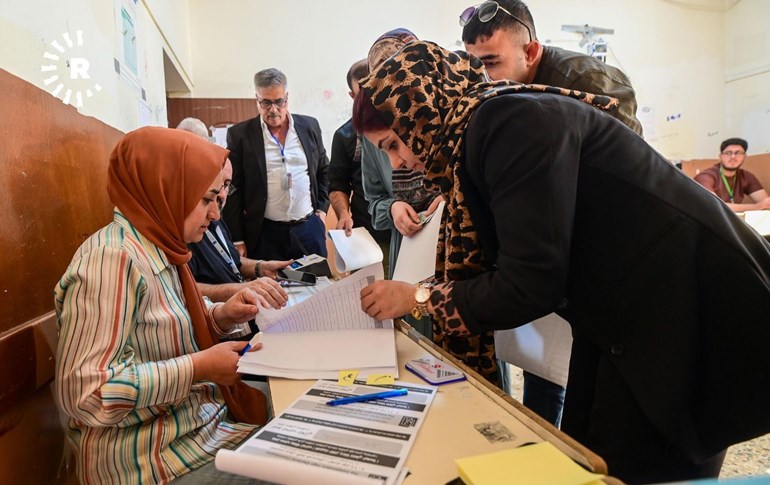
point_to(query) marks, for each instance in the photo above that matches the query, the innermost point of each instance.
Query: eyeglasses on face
(728, 153)
(486, 11)
(229, 188)
(268, 103)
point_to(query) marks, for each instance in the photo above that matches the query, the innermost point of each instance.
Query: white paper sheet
(759, 220)
(542, 347)
(417, 255)
(355, 251)
(324, 333)
(310, 442)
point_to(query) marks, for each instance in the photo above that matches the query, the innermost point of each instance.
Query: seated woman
(555, 206)
(149, 395)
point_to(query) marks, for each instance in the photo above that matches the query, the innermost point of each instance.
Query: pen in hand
(255, 339)
(368, 397)
(245, 349)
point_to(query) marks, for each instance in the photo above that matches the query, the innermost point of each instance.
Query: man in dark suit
(279, 166)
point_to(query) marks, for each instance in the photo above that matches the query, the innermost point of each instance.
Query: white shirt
(286, 203)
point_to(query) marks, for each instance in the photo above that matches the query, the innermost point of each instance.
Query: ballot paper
(417, 256)
(323, 333)
(311, 442)
(542, 347)
(355, 251)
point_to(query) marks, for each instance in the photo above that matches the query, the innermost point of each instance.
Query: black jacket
(245, 209)
(583, 218)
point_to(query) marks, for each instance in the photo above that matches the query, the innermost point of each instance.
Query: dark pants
(544, 397)
(601, 413)
(285, 240)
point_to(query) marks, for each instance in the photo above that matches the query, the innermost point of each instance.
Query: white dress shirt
(286, 201)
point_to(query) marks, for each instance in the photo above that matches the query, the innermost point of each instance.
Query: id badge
(286, 179)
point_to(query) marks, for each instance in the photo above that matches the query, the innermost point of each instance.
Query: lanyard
(286, 183)
(283, 156)
(223, 252)
(730, 190)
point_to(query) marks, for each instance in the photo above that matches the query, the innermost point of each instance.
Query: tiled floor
(751, 458)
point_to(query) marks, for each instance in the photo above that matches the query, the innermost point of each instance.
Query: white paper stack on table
(325, 331)
(310, 442)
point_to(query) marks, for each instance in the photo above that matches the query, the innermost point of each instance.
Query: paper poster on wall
(127, 44)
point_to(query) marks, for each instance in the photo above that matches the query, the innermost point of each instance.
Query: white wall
(28, 27)
(673, 55)
(747, 73)
(700, 72)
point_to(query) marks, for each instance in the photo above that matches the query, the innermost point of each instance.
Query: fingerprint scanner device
(312, 263)
(435, 371)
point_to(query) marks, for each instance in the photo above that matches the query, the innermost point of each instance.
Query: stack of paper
(540, 464)
(310, 442)
(324, 333)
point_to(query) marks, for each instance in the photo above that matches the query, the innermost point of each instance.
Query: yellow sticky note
(540, 464)
(380, 379)
(347, 377)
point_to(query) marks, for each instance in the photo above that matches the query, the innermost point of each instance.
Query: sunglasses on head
(486, 11)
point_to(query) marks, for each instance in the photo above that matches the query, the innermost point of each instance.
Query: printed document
(323, 334)
(311, 442)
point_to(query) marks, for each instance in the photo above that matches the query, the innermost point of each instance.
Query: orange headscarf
(156, 178)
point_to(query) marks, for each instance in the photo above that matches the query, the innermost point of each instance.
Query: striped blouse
(124, 376)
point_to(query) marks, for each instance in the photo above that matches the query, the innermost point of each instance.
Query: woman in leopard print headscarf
(553, 206)
(427, 95)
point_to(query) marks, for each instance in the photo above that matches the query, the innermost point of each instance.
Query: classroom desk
(448, 431)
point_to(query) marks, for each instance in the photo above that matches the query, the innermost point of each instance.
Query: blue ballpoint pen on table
(368, 397)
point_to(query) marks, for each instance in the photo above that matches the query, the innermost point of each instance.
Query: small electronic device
(294, 277)
(435, 371)
(295, 265)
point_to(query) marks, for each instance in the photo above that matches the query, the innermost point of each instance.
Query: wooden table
(450, 428)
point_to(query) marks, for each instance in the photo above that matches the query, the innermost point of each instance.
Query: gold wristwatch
(421, 297)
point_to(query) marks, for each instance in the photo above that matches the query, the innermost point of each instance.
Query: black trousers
(601, 413)
(282, 241)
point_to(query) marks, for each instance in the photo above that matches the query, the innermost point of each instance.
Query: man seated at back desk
(220, 271)
(728, 181)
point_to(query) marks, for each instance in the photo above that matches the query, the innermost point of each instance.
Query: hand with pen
(219, 363)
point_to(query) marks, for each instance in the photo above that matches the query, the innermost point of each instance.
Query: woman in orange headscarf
(149, 393)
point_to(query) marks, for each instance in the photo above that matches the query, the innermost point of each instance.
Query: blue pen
(245, 349)
(368, 397)
(257, 338)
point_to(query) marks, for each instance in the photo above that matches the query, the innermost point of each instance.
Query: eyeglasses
(268, 103)
(733, 154)
(486, 11)
(229, 188)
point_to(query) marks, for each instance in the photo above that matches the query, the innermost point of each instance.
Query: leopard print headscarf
(427, 94)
